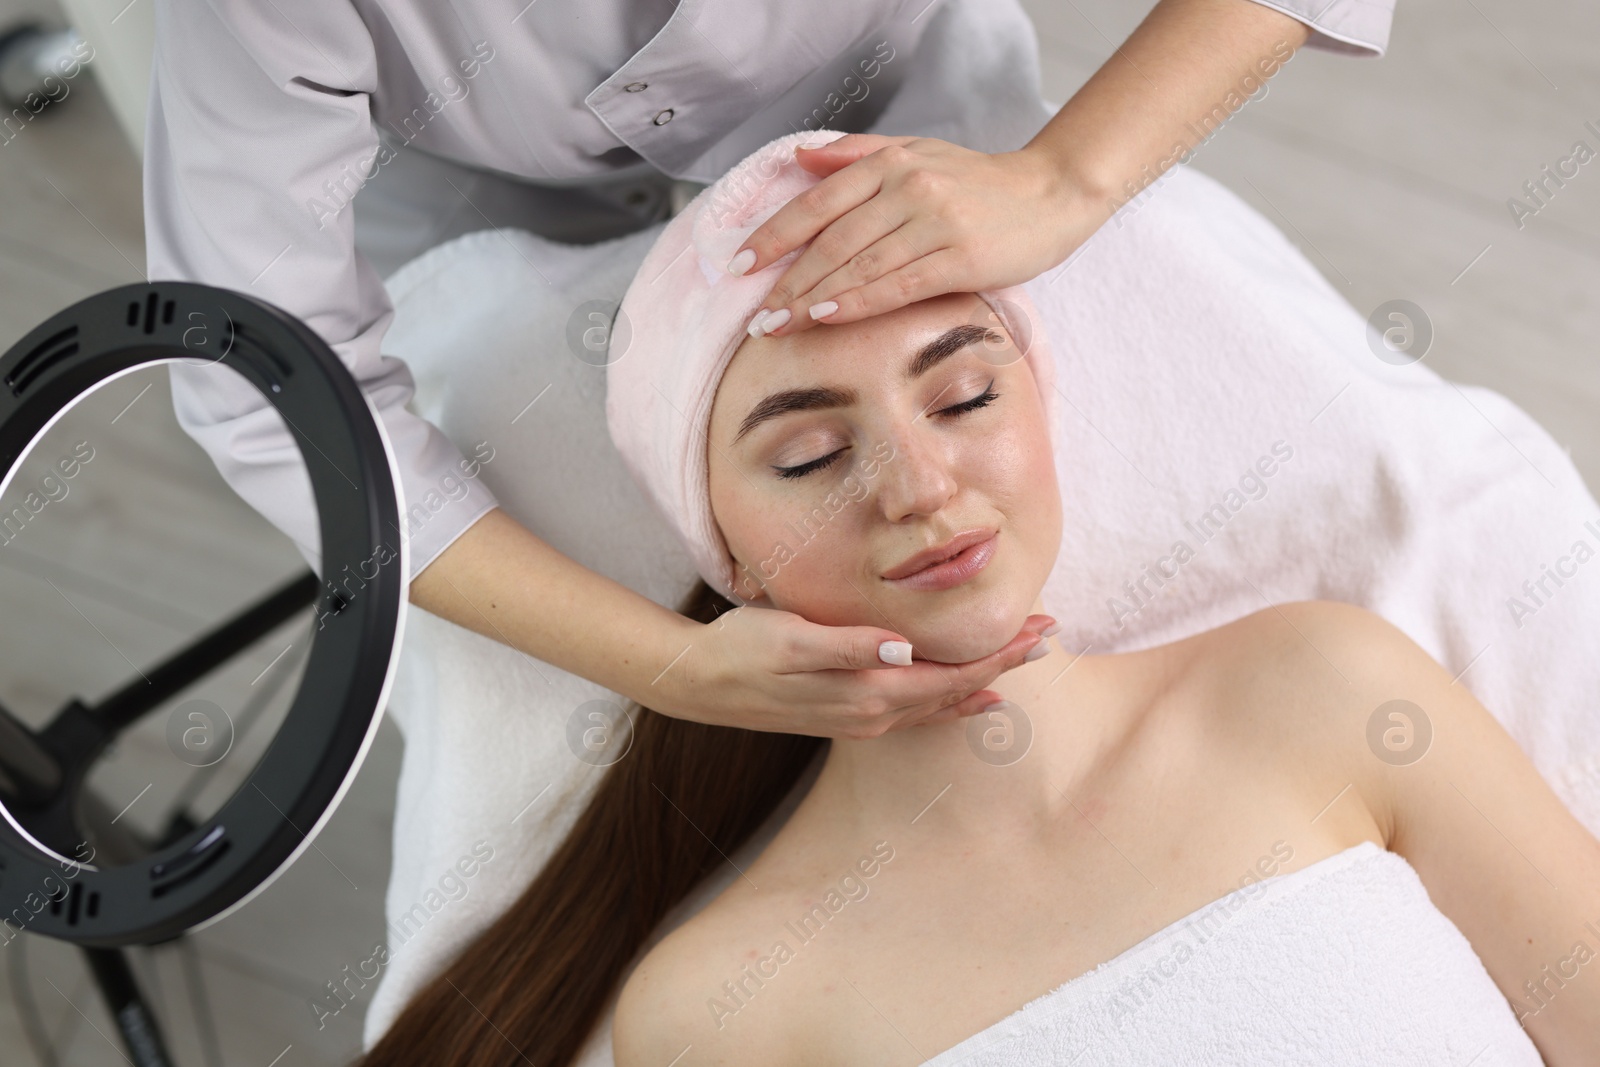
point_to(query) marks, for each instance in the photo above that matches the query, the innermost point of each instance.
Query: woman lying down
(1186, 854)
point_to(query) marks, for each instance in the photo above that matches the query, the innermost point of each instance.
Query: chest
(946, 945)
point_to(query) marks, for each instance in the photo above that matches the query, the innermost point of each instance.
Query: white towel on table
(1190, 337)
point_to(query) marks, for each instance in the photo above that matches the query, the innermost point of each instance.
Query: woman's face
(839, 453)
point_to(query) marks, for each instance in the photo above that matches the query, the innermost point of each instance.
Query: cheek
(800, 548)
(1018, 473)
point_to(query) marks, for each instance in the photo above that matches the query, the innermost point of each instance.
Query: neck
(1077, 707)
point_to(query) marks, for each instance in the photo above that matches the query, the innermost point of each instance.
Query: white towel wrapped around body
(1344, 961)
(1217, 394)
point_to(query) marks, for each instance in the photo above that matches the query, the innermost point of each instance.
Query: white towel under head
(1344, 961)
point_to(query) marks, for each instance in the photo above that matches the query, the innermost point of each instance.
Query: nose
(917, 479)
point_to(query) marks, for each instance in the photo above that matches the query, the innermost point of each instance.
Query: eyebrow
(820, 398)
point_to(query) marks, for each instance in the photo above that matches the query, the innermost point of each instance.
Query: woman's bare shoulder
(676, 998)
(1298, 626)
(1300, 646)
(1345, 694)
(1318, 685)
(1499, 852)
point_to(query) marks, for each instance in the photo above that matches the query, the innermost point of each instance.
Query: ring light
(293, 790)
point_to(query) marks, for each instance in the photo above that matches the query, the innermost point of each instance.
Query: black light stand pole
(36, 768)
(121, 992)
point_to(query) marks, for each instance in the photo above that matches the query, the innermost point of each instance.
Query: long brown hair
(532, 986)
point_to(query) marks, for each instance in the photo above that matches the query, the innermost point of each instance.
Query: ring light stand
(202, 871)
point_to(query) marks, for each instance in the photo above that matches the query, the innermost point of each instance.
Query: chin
(965, 631)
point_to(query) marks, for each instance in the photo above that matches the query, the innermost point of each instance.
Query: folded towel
(1383, 977)
(1228, 440)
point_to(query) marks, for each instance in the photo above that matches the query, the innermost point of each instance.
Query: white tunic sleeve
(258, 114)
(1356, 27)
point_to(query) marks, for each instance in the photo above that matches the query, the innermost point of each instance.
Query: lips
(939, 553)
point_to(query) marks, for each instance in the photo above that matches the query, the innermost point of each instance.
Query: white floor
(1392, 175)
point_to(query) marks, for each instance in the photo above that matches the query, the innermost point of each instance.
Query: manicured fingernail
(824, 309)
(1038, 651)
(774, 320)
(1051, 630)
(895, 652)
(998, 705)
(754, 329)
(742, 262)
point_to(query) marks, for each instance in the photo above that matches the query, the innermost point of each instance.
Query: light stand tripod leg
(122, 996)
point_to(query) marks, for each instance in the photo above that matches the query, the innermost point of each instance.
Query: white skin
(1156, 781)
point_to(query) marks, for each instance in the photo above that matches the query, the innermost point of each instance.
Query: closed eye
(982, 400)
(806, 468)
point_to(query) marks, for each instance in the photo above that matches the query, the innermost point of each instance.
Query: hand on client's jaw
(756, 668)
(1033, 655)
(768, 669)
